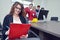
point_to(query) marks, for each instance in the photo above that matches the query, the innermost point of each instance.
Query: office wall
(4, 8)
(37, 2)
(52, 5)
(54, 8)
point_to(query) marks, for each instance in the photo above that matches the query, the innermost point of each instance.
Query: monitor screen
(41, 13)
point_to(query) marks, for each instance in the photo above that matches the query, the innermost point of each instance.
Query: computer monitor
(41, 13)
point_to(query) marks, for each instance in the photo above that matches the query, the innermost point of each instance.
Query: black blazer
(7, 20)
(40, 16)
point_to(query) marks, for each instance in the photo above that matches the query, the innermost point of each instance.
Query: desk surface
(50, 27)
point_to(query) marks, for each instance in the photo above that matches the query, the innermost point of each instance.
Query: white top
(37, 13)
(17, 20)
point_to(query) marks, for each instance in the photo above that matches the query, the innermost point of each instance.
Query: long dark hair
(14, 6)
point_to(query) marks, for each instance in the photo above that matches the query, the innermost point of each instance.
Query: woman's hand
(7, 32)
(24, 36)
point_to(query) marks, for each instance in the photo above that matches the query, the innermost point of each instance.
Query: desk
(50, 27)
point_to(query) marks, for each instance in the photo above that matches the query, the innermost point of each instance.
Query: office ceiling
(28, 0)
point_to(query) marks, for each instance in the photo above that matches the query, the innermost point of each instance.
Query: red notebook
(16, 30)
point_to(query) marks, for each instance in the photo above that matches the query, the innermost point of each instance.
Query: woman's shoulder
(22, 18)
(8, 15)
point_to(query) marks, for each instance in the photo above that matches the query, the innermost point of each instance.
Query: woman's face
(17, 9)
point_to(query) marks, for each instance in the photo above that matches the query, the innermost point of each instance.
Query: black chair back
(54, 18)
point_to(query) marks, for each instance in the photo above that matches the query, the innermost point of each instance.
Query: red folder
(17, 30)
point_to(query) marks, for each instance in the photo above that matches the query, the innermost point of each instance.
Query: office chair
(35, 35)
(32, 38)
(0, 30)
(54, 18)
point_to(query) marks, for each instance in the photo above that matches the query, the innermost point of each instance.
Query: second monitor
(41, 13)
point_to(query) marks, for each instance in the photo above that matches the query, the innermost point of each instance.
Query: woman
(16, 15)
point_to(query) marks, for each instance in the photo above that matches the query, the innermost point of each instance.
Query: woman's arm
(5, 24)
